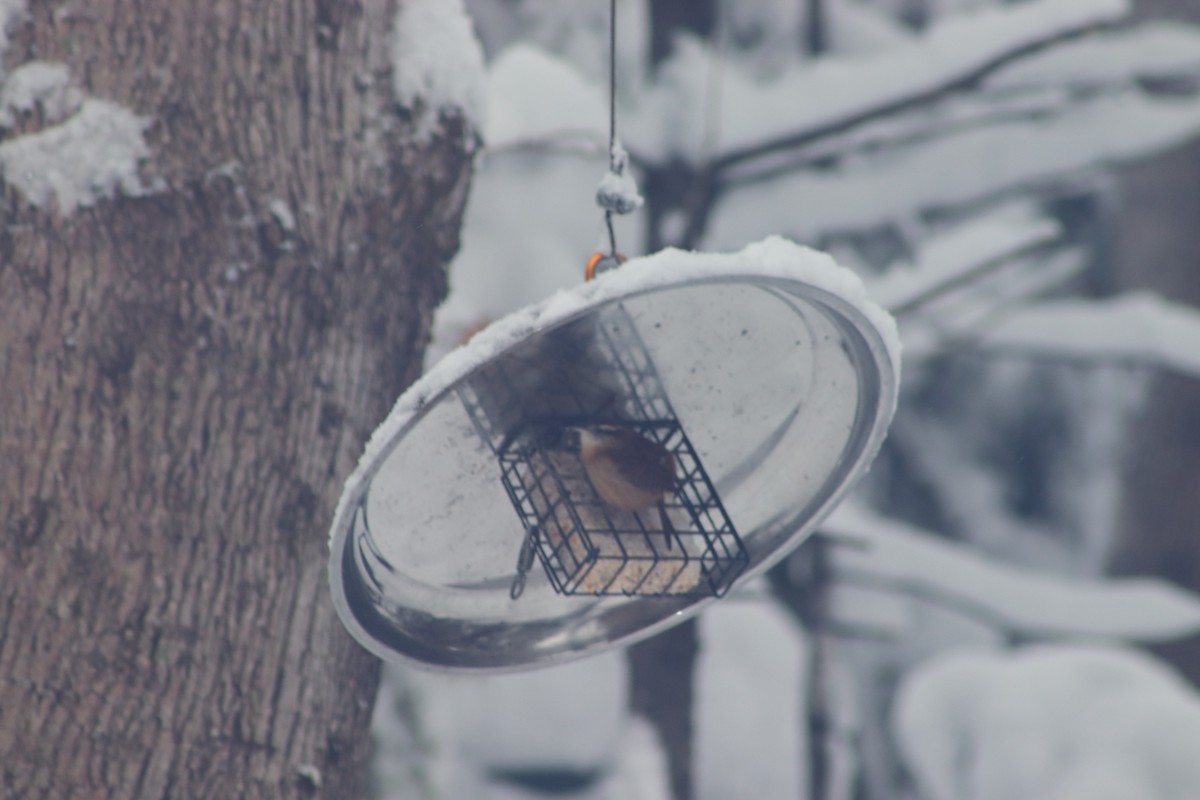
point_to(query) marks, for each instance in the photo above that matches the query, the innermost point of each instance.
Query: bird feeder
(597, 371)
(473, 536)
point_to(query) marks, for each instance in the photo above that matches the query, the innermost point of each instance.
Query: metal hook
(524, 561)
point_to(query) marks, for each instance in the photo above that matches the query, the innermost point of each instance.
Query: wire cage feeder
(600, 372)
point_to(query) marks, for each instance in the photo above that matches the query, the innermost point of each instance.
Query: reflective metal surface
(785, 391)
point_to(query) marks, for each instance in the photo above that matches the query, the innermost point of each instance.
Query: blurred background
(1006, 608)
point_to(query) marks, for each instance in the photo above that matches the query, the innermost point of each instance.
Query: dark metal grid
(596, 370)
(637, 376)
(586, 548)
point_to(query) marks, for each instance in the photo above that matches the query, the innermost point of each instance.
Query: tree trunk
(1158, 245)
(669, 18)
(1161, 504)
(188, 370)
(661, 676)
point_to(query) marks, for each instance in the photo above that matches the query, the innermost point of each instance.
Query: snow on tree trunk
(221, 248)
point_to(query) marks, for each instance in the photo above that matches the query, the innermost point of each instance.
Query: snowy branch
(1029, 34)
(890, 555)
(962, 256)
(1140, 327)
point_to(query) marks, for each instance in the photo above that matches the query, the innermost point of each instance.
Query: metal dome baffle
(757, 385)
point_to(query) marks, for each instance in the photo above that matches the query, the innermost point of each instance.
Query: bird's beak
(564, 438)
(571, 439)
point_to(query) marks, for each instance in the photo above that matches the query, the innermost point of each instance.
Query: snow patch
(1059, 722)
(641, 769)
(952, 255)
(831, 90)
(10, 12)
(1139, 326)
(1154, 50)
(91, 156)
(519, 721)
(451, 734)
(437, 63)
(968, 166)
(310, 774)
(750, 679)
(532, 95)
(39, 85)
(282, 214)
(618, 191)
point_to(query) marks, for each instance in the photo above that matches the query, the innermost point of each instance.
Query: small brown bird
(628, 471)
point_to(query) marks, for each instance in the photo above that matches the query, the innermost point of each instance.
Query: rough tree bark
(185, 379)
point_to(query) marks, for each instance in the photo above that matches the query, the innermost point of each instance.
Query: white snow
(93, 155)
(579, 32)
(856, 28)
(640, 768)
(952, 255)
(528, 230)
(539, 98)
(447, 736)
(956, 318)
(963, 453)
(282, 213)
(569, 716)
(85, 149)
(10, 12)
(463, 728)
(618, 190)
(969, 166)
(773, 257)
(814, 95)
(1138, 326)
(888, 554)
(534, 96)
(437, 63)
(310, 774)
(1055, 722)
(1151, 50)
(39, 85)
(750, 738)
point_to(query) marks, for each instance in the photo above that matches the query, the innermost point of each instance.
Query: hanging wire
(612, 117)
(618, 193)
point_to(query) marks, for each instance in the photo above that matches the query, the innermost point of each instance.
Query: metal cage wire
(599, 370)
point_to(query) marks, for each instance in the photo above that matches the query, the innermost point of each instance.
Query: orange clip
(598, 258)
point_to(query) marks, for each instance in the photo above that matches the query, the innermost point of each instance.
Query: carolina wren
(628, 471)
